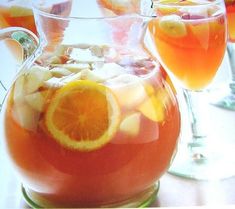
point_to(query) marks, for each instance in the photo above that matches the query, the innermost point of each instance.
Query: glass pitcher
(90, 119)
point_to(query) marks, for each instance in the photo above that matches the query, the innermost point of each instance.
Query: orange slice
(83, 115)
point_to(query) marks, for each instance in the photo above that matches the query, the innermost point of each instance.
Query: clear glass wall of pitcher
(90, 120)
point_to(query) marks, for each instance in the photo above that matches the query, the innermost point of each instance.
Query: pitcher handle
(29, 42)
(27, 39)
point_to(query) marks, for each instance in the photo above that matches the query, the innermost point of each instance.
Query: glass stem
(3, 91)
(231, 54)
(197, 110)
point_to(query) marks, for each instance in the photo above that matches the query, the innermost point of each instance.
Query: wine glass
(228, 101)
(190, 41)
(17, 13)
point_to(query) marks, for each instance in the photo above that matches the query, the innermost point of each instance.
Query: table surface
(174, 191)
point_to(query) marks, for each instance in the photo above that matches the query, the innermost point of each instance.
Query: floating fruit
(19, 11)
(83, 115)
(130, 90)
(73, 67)
(109, 70)
(19, 89)
(60, 71)
(35, 78)
(36, 101)
(25, 116)
(154, 107)
(130, 125)
(173, 26)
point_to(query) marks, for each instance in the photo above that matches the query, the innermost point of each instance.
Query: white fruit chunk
(129, 90)
(109, 70)
(19, 91)
(173, 26)
(154, 107)
(26, 116)
(84, 56)
(36, 77)
(73, 67)
(19, 11)
(36, 101)
(54, 83)
(71, 77)
(87, 74)
(60, 50)
(131, 124)
(60, 71)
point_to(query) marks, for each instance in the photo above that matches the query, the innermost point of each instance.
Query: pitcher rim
(59, 17)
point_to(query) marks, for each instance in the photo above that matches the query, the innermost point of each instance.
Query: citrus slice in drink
(83, 115)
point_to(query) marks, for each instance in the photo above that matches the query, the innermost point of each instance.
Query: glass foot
(227, 102)
(141, 200)
(209, 164)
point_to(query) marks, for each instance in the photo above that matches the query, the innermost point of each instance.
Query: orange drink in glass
(17, 13)
(190, 41)
(191, 44)
(230, 10)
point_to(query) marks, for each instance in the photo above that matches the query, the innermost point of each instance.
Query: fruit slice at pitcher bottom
(83, 115)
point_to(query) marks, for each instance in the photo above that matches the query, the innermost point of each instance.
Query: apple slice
(73, 67)
(129, 89)
(154, 107)
(19, 89)
(26, 116)
(36, 77)
(87, 74)
(130, 125)
(109, 70)
(60, 71)
(86, 55)
(36, 101)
